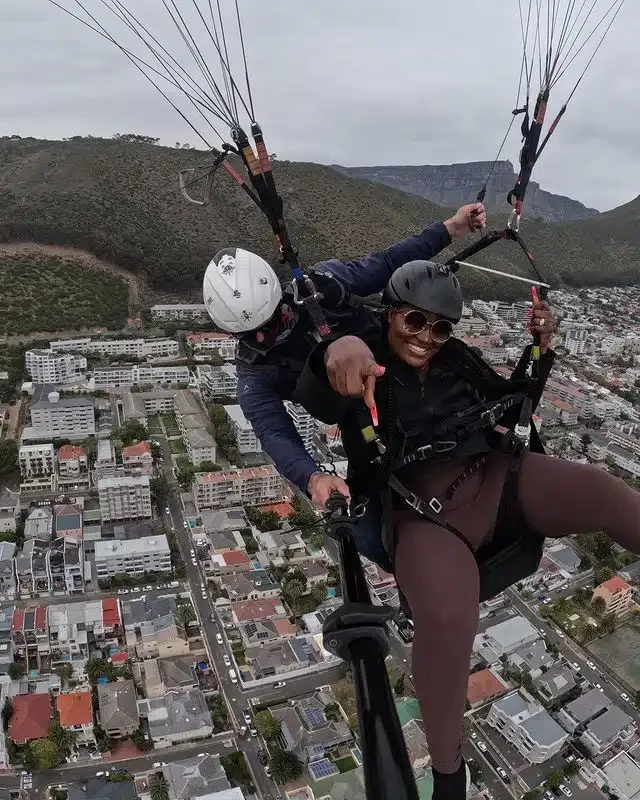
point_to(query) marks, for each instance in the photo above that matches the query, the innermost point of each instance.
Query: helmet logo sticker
(247, 315)
(227, 264)
(237, 293)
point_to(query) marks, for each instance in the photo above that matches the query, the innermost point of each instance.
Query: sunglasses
(415, 321)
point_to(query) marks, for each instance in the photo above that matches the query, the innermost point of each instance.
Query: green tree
(140, 740)
(534, 794)
(160, 490)
(7, 711)
(16, 671)
(585, 441)
(571, 769)
(158, 787)
(319, 593)
(399, 686)
(64, 672)
(156, 451)
(608, 624)
(475, 771)
(208, 466)
(8, 456)
(316, 540)
(603, 574)
(63, 740)
(302, 516)
(268, 727)
(44, 753)
(130, 432)
(219, 715)
(251, 546)
(185, 614)
(292, 591)
(582, 596)
(598, 606)
(554, 778)
(285, 766)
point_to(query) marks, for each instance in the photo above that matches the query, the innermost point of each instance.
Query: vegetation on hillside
(49, 293)
(119, 200)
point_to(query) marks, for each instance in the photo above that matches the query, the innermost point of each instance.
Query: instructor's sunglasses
(415, 321)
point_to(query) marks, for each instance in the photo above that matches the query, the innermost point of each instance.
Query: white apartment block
(304, 422)
(46, 366)
(246, 440)
(225, 489)
(192, 422)
(179, 311)
(139, 348)
(36, 459)
(208, 342)
(201, 446)
(217, 382)
(138, 374)
(529, 728)
(575, 340)
(124, 497)
(105, 465)
(61, 418)
(570, 394)
(132, 556)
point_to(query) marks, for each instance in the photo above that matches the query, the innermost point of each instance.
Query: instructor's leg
(560, 498)
(439, 576)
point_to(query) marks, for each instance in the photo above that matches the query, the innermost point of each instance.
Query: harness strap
(429, 509)
(462, 477)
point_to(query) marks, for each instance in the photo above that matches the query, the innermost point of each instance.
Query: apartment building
(32, 571)
(179, 311)
(616, 594)
(72, 461)
(529, 728)
(39, 525)
(75, 629)
(137, 375)
(9, 510)
(570, 394)
(36, 460)
(132, 556)
(137, 458)
(581, 711)
(193, 424)
(7, 574)
(575, 340)
(612, 728)
(505, 638)
(179, 716)
(105, 465)
(216, 382)
(47, 366)
(65, 565)
(56, 417)
(246, 440)
(124, 497)
(30, 636)
(304, 422)
(220, 343)
(152, 628)
(567, 413)
(252, 485)
(139, 348)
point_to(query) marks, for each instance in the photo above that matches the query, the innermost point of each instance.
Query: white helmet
(241, 291)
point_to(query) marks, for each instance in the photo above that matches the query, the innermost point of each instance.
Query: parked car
(591, 665)
(253, 731)
(482, 746)
(219, 638)
(560, 634)
(502, 774)
(263, 756)
(624, 696)
(267, 771)
(227, 660)
(135, 590)
(599, 687)
(247, 717)
(279, 685)
(576, 666)
(168, 510)
(565, 790)
(123, 591)
(148, 588)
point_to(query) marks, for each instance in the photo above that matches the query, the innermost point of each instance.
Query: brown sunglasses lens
(441, 330)
(416, 321)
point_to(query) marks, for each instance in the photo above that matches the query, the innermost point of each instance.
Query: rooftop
(484, 685)
(247, 473)
(31, 718)
(587, 705)
(248, 610)
(118, 705)
(122, 481)
(75, 708)
(68, 452)
(624, 773)
(194, 777)
(128, 547)
(615, 584)
(236, 415)
(608, 725)
(177, 712)
(136, 450)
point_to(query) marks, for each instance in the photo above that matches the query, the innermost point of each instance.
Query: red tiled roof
(249, 610)
(615, 584)
(236, 474)
(281, 509)
(483, 686)
(31, 718)
(234, 558)
(139, 449)
(69, 451)
(284, 627)
(119, 658)
(110, 612)
(41, 617)
(75, 709)
(17, 623)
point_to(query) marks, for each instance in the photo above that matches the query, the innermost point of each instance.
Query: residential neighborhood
(163, 588)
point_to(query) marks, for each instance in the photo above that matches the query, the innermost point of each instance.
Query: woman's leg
(560, 498)
(439, 576)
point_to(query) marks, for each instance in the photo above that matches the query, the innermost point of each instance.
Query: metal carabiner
(513, 222)
(310, 286)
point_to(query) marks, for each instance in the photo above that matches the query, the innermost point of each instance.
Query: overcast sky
(343, 81)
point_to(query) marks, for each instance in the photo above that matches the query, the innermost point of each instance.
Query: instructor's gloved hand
(321, 485)
(467, 219)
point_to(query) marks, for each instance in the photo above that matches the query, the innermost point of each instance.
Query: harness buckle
(313, 295)
(435, 505)
(445, 446)
(489, 417)
(359, 509)
(413, 501)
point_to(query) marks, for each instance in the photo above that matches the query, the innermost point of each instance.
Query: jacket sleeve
(313, 390)
(264, 408)
(371, 274)
(546, 365)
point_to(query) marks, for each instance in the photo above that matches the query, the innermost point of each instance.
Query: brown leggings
(439, 576)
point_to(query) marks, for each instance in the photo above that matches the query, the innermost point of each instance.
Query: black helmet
(427, 286)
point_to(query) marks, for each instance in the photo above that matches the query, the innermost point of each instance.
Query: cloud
(357, 82)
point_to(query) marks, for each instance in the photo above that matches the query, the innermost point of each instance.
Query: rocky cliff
(452, 185)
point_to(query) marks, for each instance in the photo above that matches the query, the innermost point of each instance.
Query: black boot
(453, 786)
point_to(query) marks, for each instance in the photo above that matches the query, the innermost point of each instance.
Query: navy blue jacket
(263, 387)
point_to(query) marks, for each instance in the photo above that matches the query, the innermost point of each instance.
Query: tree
(63, 740)
(585, 441)
(131, 431)
(571, 769)
(399, 687)
(475, 772)
(251, 546)
(285, 766)
(185, 614)
(319, 593)
(219, 716)
(16, 671)
(554, 778)
(292, 591)
(582, 596)
(140, 740)
(316, 540)
(268, 727)
(156, 451)
(44, 753)
(64, 671)
(301, 516)
(209, 466)
(158, 787)
(534, 794)
(603, 574)
(8, 456)
(637, 698)
(608, 624)
(160, 490)
(7, 711)
(598, 606)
